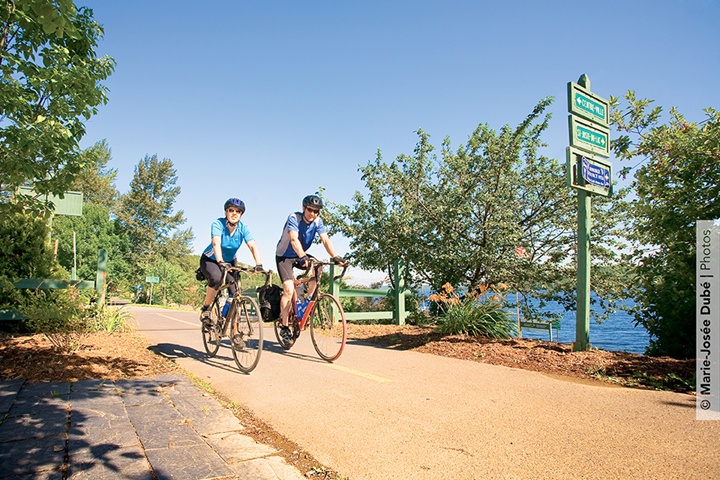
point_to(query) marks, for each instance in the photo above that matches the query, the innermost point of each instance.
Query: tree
(494, 211)
(50, 82)
(676, 182)
(146, 216)
(93, 230)
(96, 181)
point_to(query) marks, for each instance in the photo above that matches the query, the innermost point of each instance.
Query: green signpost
(151, 280)
(588, 124)
(71, 204)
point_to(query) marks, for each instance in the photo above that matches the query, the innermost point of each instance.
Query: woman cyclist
(227, 234)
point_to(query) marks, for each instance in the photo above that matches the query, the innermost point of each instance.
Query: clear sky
(268, 100)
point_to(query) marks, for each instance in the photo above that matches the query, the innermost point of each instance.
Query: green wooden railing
(51, 284)
(398, 314)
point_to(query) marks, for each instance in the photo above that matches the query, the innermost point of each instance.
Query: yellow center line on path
(369, 376)
(178, 320)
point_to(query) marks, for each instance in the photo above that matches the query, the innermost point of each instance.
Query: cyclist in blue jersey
(227, 234)
(298, 234)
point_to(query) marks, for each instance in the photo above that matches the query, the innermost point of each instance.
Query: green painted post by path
(589, 139)
(101, 275)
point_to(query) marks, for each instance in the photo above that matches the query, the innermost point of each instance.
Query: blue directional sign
(588, 172)
(595, 174)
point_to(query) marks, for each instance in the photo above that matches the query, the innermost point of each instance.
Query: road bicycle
(242, 322)
(323, 313)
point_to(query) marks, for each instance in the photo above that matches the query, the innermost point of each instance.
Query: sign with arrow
(589, 136)
(588, 172)
(586, 104)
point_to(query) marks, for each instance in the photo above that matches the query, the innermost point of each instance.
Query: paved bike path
(377, 413)
(157, 428)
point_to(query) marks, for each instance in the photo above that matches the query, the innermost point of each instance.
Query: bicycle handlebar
(267, 273)
(312, 262)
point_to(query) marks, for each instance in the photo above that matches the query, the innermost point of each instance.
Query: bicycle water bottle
(301, 306)
(226, 307)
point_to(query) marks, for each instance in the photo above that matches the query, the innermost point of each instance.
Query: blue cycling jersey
(306, 233)
(229, 243)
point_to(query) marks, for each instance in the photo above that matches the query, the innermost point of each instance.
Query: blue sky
(268, 100)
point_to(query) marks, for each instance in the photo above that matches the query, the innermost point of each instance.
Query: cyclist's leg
(213, 275)
(285, 271)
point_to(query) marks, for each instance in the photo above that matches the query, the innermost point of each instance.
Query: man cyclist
(227, 234)
(298, 234)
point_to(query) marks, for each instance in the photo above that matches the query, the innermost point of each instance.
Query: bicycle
(242, 320)
(324, 314)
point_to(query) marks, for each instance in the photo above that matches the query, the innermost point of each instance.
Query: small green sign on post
(589, 137)
(586, 104)
(71, 204)
(152, 279)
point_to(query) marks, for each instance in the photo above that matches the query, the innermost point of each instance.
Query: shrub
(479, 314)
(60, 315)
(111, 319)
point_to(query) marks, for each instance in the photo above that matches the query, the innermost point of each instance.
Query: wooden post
(399, 313)
(101, 276)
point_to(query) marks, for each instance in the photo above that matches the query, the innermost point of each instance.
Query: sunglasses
(233, 210)
(312, 210)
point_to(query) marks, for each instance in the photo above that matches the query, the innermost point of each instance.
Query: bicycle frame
(241, 323)
(316, 266)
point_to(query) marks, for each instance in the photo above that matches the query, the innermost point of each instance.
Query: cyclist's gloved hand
(224, 265)
(339, 260)
(302, 262)
(258, 268)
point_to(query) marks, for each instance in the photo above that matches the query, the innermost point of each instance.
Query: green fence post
(399, 313)
(334, 284)
(334, 290)
(101, 276)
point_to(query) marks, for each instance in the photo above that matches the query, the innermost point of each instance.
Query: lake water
(616, 333)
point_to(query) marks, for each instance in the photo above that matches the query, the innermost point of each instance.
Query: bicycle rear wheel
(247, 343)
(328, 328)
(212, 336)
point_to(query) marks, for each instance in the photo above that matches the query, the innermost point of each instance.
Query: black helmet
(235, 202)
(313, 201)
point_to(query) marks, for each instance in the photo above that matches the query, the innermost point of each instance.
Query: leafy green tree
(93, 230)
(146, 216)
(50, 82)
(676, 181)
(96, 181)
(493, 212)
(24, 251)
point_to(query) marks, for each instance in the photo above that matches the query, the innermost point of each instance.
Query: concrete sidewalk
(158, 428)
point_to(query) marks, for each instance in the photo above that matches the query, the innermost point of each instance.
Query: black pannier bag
(269, 300)
(199, 275)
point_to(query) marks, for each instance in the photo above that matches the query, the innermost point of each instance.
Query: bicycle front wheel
(247, 342)
(212, 336)
(328, 328)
